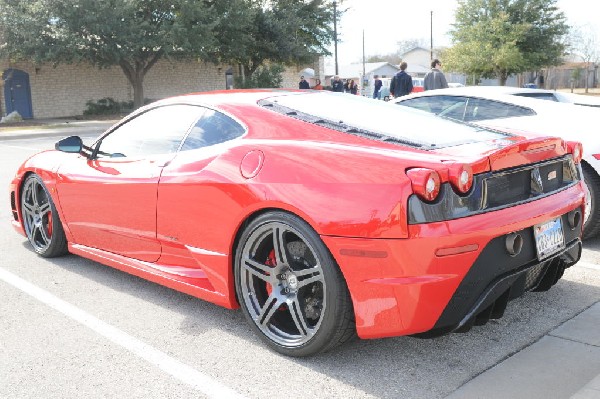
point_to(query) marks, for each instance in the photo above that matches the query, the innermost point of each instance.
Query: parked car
(513, 109)
(418, 85)
(313, 212)
(539, 94)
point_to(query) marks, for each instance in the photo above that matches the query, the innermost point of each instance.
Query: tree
(497, 38)
(410, 44)
(131, 34)
(584, 44)
(264, 77)
(254, 33)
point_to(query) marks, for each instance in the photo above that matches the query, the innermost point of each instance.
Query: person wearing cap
(435, 79)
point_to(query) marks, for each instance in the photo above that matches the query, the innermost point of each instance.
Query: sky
(386, 22)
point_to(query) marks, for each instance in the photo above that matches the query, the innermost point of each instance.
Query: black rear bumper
(496, 277)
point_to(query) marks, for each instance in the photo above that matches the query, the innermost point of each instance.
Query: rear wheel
(290, 288)
(40, 219)
(591, 220)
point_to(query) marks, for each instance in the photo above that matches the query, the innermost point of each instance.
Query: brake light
(576, 149)
(597, 156)
(425, 183)
(461, 178)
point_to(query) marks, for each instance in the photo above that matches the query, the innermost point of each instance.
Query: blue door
(17, 93)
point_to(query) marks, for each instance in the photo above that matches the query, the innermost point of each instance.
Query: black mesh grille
(13, 206)
(518, 185)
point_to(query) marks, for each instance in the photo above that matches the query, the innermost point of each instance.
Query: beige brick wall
(63, 90)
(291, 76)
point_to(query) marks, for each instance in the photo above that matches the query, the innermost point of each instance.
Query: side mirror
(72, 144)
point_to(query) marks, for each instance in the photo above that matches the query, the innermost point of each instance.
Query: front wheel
(40, 219)
(290, 288)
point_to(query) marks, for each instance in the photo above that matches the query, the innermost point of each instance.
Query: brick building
(44, 91)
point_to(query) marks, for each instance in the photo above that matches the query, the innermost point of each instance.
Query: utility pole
(363, 74)
(335, 38)
(431, 33)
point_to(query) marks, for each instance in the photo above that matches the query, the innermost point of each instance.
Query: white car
(538, 94)
(504, 108)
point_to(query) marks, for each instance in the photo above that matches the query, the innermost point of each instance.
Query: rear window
(364, 116)
(539, 96)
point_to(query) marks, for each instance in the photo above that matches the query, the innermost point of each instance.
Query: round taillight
(425, 183)
(461, 177)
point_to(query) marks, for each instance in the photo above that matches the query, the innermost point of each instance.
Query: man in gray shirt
(435, 79)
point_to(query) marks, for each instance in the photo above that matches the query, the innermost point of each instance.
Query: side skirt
(198, 286)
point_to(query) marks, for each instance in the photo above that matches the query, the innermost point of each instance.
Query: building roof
(356, 69)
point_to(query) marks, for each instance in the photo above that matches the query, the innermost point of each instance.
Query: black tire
(591, 226)
(41, 222)
(289, 287)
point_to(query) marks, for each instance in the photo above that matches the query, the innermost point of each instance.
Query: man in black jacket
(401, 84)
(303, 83)
(337, 85)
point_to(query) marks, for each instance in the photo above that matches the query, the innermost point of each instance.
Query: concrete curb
(565, 363)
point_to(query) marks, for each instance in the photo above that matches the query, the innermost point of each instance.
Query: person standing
(337, 85)
(435, 79)
(318, 85)
(377, 84)
(303, 83)
(352, 87)
(401, 83)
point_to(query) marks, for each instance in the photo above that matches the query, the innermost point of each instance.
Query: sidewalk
(54, 128)
(565, 363)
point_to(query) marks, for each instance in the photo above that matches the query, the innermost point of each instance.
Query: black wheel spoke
(309, 276)
(28, 209)
(45, 208)
(299, 319)
(34, 194)
(263, 272)
(270, 306)
(279, 245)
(45, 239)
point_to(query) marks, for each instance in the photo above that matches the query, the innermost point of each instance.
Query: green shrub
(263, 77)
(106, 106)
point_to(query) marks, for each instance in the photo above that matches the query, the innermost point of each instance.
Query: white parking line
(588, 265)
(184, 373)
(20, 147)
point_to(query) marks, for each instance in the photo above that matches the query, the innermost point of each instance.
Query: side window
(479, 110)
(422, 103)
(448, 106)
(213, 128)
(539, 96)
(157, 131)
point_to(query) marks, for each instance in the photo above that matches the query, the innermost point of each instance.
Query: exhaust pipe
(514, 244)
(574, 218)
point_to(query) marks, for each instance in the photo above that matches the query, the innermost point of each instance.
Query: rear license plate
(549, 237)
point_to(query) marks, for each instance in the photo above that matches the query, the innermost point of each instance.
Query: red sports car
(324, 216)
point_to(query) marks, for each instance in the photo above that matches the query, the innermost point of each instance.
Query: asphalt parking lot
(72, 328)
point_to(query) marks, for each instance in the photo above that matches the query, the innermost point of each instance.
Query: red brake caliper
(49, 216)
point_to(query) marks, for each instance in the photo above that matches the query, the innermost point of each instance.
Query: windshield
(374, 116)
